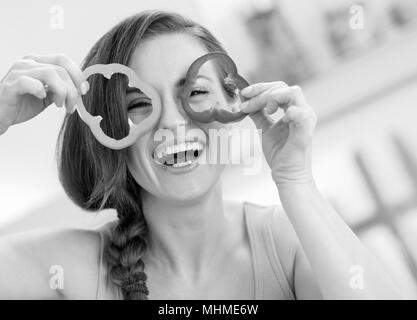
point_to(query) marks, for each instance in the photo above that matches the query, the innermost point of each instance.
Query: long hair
(96, 177)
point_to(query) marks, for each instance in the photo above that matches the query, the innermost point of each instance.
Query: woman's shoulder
(274, 221)
(106, 229)
(259, 210)
(267, 218)
(274, 230)
(66, 256)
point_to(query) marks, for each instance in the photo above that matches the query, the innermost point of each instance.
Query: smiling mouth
(178, 155)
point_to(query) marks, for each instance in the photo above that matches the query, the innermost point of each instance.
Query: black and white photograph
(210, 150)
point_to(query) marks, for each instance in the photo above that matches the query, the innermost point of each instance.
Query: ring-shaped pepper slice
(135, 130)
(232, 81)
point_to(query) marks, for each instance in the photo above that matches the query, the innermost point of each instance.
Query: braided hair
(96, 177)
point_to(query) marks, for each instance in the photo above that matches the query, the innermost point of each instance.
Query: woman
(175, 237)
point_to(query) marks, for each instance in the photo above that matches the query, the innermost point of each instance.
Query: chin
(190, 188)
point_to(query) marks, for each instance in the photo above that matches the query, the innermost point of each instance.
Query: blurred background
(355, 60)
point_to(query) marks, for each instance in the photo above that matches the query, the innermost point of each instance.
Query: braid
(125, 255)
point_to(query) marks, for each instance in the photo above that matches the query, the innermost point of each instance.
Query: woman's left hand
(286, 143)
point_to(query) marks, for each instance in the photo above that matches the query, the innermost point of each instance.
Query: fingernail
(85, 86)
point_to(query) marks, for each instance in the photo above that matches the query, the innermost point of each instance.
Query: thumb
(261, 119)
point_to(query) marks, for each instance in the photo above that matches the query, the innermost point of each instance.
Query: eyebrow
(205, 77)
(182, 81)
(179, 83)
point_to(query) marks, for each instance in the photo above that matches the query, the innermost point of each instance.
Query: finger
(295, 114)
(57, 88)
(271, 106)
(71, 97)
(258, 88)
(24, 64)
(281, 96)
(73, 70)
(72, 92)
(298, 96)
(262, 120)
(27, 85)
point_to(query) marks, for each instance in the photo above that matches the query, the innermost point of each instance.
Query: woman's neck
(185, 237)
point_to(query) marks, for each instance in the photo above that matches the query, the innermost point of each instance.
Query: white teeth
(184, 146)
(162, 153)
(182, 164)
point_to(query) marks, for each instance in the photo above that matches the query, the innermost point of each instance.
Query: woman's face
(167, 167)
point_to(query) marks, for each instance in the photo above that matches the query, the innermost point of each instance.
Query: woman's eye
(198, 92)
(139, 104)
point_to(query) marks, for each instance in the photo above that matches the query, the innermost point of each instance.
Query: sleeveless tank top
(271, 283)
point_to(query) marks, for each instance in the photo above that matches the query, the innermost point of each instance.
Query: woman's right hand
(23, 93)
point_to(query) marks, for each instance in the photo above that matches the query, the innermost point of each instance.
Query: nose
(172, 114)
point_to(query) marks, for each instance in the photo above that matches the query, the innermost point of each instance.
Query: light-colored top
(271, 282)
